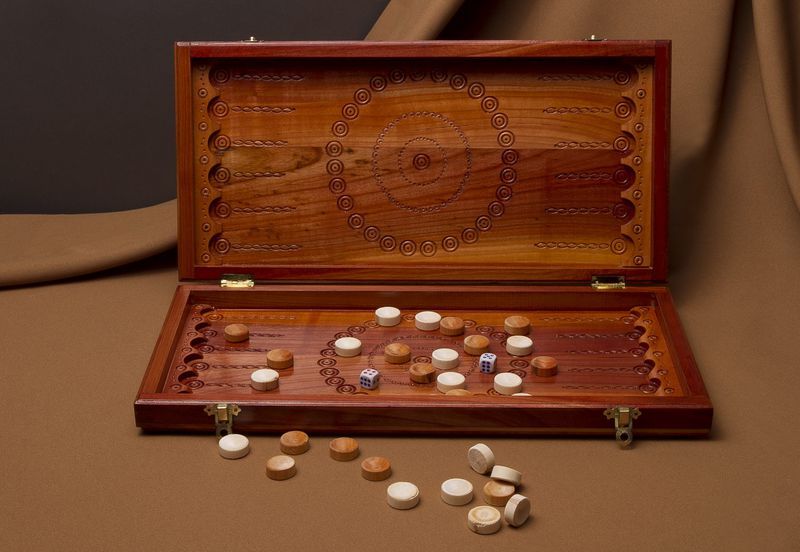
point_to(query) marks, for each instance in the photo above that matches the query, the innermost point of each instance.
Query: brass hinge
(594, 38)
(608, 282)
(623, 422)
(237, 281)
(223, 417)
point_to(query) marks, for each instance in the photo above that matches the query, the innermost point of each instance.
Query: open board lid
(425, 161)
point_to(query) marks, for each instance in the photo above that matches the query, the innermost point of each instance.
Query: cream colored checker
(484, 520)
(347, 346)
(521, 395)
(517, 511)
(233, 446)
(281, 467)
(264, 379)
(444, 359)
(497, 493)
(457, 492)
(480, 458)
(402, 495)
(507, 383)
(519, 345)
(388, 316)
(427, 320)
(447, 381)
(509, 475)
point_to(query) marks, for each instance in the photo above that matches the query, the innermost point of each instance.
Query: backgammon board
(479, 180)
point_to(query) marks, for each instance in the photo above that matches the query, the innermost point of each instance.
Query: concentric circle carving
(438, 75)
(356, 221)
(510, 156)
(504, 193)
(221, 174)
(496, 209)
(222, 246)
(372, 233)
(489, 104)
(508, 175)
(219, 108)
(220, 76)
(377, 83)
(469, 235)
(340, 129)
(397, 76)
(337, 185)
(222, 210)
(483, 223)
(427, 248)
(408, 247)
(388, 243)
(505, 138)
(499, 121)
(449, 243)
(350, 111)
(221, 142)
(476, 90)
(618, 246)
(345, 203)
(458, 81)
(362, 96)
(335, 166)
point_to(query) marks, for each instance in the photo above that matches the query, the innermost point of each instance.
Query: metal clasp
(623, 422)
(223, 417)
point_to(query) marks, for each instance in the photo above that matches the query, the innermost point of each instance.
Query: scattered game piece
(522, 395)
(487, 363)
(484, 520)
(347, 346)
(506, 474)
(376, 468)
(519, 345)
(388, 316)
(498, 493)
(545, 366)
(343, 449)
(402, 495)
(457, 492)
(444, 359)
(397, 353)
(518, 509)
(476, 344)
(507, 383)
(427, 320)
(459, 393)
(447, 381)
(265, 379)
(451, 325)
(281, 467)
(294, 442)
(517, 325)
(480, 458)
(233, 446)
(370, 378)
(235, 333)
(422, 372)
(280, 359)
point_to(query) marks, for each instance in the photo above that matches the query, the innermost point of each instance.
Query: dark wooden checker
(476, 179)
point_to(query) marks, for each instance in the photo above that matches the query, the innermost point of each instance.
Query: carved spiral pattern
(362, 96)
(476, 90)
(337, 185)
(505, 138)
(340, 335)
(408, 247)
(356, 329)
(397, 76)
(508, 175)
(329, 371)
(421, 359)
(427, 248)
(449, 243)
(388, 243)
(499, 121)
(510, 156)
(221, 175)
(350, 111)
(222, 142)
(334, 148)
(623, 110)
(520, 373)
(346, 389)
(222, 210)
(483, 223)
(335, 166)
(469, 323)
(195, 384)
(499, 336)
(504, 193)
(496, 209)
(469, 235)
(484, 329)
(334, 381)
(340, 129)
(438, 75)
(371, 233)
(219, 108)
(330, 353)
(200, 366)
(458, 81)
(371, 324)
(377, 83)
(222, 246)
(345, 203)
(518, 363)
(356, 221)
(489, 104)
(622, 144)
(220, 76)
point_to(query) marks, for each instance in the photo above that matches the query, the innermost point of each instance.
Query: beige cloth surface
(75, 474)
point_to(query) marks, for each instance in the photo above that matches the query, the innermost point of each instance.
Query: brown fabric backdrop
(75, 474)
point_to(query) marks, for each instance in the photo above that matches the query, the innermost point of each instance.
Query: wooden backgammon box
(474, 179)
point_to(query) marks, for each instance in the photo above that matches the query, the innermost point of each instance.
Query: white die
(369, 378)
(487, 363)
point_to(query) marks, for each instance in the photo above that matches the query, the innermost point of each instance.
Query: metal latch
(623, 423)
(237, 281)
(593, 38)
(608, 282)
(223, 417)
